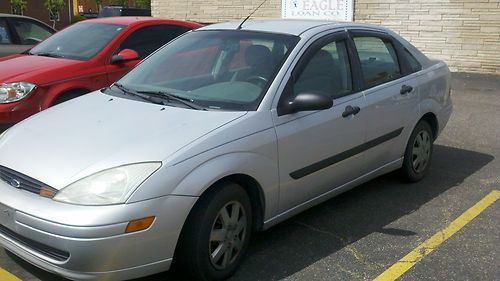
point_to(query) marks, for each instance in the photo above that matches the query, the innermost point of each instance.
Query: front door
(318, 151)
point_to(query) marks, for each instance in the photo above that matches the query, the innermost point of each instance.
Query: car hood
(95, 132)
(26, 68)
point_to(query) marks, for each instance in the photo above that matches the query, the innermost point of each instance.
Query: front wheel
(418, 153)
(216, 234)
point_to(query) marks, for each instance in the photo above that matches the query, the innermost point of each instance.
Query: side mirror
(124, 56)
(306, 101)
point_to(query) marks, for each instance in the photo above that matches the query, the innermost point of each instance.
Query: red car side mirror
(124, 56)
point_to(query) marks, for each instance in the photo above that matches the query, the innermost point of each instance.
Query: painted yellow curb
(412, 258)
(6, 276)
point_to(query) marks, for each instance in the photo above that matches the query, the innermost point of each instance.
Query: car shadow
(331, 226)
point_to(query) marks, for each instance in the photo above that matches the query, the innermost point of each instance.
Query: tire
(418, 153)
(68, 96)
(206, 231)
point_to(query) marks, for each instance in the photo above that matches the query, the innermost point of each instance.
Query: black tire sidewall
(408, 171)
(67, 96)
(193, 250)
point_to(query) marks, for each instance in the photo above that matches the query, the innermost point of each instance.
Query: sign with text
(318, 9)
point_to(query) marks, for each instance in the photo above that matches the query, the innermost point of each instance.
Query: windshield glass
(226, 70)
(81, 41)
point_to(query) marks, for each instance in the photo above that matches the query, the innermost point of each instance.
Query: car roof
(138, 20)
(12, 16)
(286, 26)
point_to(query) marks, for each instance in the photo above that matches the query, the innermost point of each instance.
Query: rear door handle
(350, 110)
(405, 89)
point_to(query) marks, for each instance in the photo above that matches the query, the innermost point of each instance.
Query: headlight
(113, 186)
(12, 92)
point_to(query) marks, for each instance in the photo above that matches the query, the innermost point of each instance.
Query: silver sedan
(225, 131)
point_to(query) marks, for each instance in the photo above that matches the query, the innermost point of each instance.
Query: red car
(79, 59)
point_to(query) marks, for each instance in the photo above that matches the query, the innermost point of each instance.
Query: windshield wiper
(169, 97)
(46, 54)
(132, 93)
(152, 96)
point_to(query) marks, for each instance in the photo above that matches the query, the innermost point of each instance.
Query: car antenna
(241, 24)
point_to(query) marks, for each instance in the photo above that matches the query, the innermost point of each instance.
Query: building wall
(36, 9)
(91, 5)
(465, 33)
(210, 11)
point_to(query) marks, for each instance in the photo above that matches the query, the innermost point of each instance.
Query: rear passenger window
(148, 39)
(328, 71)
(414, 64)
(379, 61)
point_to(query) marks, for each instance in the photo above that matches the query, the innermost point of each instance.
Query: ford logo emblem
(15, 183)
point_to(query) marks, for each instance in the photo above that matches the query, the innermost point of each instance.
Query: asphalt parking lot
(364, 232)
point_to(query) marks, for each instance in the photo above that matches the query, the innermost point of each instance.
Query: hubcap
(421, 151)
(227, 235)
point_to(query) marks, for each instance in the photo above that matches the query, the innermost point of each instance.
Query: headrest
(257, 55)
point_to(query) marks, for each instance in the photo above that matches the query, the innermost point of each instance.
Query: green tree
(143, 4)
(119, 2)
(54, 6)
(98, 4)
(18, 6)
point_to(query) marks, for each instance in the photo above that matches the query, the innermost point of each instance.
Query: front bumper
(11, 113)
(88, 243)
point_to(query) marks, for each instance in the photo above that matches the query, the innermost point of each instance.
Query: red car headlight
(12, 92)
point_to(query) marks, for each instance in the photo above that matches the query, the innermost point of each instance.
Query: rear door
(144, 41)
(318, 151)
(391, 96)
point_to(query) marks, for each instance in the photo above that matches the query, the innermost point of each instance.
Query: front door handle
(351, 110)
(405, 89)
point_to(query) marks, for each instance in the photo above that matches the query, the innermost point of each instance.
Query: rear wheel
(216, 234)
(418, 152)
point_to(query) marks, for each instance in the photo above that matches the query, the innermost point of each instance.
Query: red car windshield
(81, 41)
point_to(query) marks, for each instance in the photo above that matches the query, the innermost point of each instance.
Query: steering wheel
(257, 80)
(31, 41)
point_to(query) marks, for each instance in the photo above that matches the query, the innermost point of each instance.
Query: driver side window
(328, 71)
(148, 39)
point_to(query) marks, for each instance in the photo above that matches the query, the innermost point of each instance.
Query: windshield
(222, 70)
(81, 41)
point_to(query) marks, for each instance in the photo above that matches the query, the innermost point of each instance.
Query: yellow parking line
(5, 276)
(408, 261)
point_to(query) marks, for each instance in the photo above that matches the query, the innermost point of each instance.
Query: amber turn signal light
(140, 224)
(48, 192)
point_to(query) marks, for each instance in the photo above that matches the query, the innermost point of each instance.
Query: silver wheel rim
(227, 235)
(421, 151)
